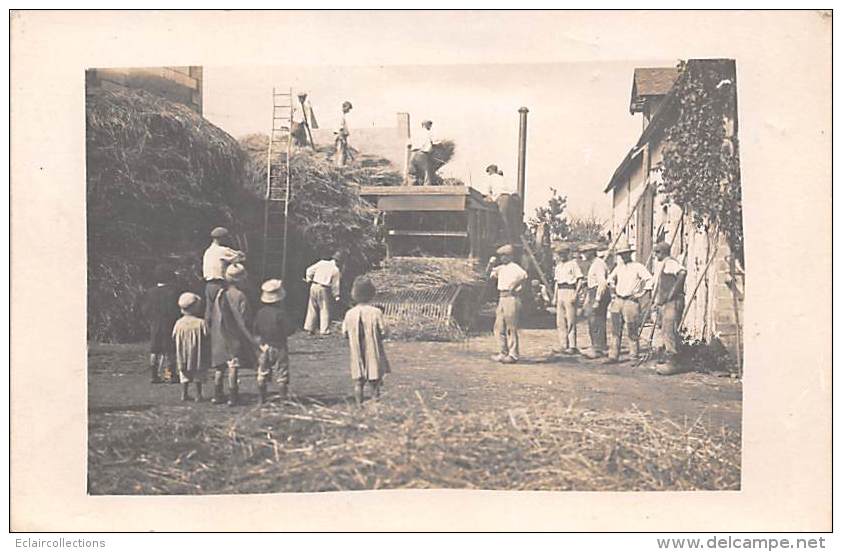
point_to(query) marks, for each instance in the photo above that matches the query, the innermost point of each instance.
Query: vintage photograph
(339, 278)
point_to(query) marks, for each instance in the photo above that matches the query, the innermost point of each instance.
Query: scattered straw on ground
(314, 447)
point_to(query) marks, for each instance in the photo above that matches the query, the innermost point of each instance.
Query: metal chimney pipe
(521, 159)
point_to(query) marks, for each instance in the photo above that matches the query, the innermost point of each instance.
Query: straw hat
(272, 291)
(235, 273)
(587, 247)
(187, 300)
(561, 247)
(219, 232)
(363, 290)
(623, 247)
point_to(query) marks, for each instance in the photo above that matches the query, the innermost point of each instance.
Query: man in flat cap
(218, 256)
(568, 279)
(630, 281)
(596, 300)
(510, 277)
(669, 302)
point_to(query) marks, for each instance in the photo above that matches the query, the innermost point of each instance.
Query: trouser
(212, 287)
(299, 134)
(671, 312)
(628, 310)
(232, 368)
(273, 359)
(565, 317)
(506, 325)
(425, 161)
(318, 308)
(341, 151)
(596, 314)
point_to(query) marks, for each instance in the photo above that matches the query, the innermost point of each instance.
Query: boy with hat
(228, 331)
(159, 307)
(568, 279)
(510, 277)
(630, 281)
(271, 330)
(324, 278)
(669, 300)
(596, 300)
(191, 345)
(216, 259)
(365, 329)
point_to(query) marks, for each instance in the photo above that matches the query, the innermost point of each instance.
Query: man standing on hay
(216, 260)
(508, 202)
(510, 277)
(303, 120)
(423, 153)
(342, 133)
(324, 278)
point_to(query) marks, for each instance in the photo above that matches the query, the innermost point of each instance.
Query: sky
(579, 126)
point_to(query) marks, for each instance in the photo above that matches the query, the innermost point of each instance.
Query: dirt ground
(456, 377)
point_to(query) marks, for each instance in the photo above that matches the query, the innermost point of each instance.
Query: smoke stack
(521, 159)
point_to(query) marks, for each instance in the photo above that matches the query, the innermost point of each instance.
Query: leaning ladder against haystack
(276, 210)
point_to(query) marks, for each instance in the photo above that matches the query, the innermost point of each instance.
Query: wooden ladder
(278, 177)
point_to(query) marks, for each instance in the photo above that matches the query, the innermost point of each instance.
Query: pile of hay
(311, 447)
(326, 213)
(159, 177)
(415, 291)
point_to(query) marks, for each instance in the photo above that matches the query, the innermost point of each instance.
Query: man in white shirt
(596, 300)
(568, 279)
(342, 133)
(302, 119)
(324, 278)
(510, 277)
(630, 281)
(669, 300)
(508, 203)
(215, 261)
(424, 152)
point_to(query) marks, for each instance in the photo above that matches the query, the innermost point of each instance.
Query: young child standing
(365, 329)
(191, 345)
(160, 308)
(271, 329)
(229, 332)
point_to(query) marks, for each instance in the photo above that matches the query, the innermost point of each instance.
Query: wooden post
(404, 132)
(521, 159)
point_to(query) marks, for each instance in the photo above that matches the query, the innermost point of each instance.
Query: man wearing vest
(510, 277)
(669, 300)
(568, 279)
(630, 281)
(596, 300)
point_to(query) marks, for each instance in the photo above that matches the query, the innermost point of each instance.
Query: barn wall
(179, 84)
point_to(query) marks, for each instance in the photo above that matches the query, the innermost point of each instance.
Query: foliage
(587, 229)
(552, 217)
(701, 165)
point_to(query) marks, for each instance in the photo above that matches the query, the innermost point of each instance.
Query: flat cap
(187, 300)
(219, 232)
(426, 122)
(662, 247)
(507, 249)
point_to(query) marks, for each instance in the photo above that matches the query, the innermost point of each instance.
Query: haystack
(159, 177)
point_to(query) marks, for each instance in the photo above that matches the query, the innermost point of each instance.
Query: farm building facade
(183, 84)
(643, 215)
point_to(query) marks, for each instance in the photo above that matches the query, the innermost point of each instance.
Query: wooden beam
(429, 233)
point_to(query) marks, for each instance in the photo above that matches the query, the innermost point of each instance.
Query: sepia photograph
(411, 263)
(353, 278)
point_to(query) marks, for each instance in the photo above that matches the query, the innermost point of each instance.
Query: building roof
(650, 81)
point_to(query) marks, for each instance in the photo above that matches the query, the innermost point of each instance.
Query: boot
(218, 397)
(184, 395)
(233, 396)
(261, 393)
(359, 392)
(375, 389)
(283, 391)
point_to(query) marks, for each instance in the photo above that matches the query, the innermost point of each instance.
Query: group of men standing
(613, 294)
